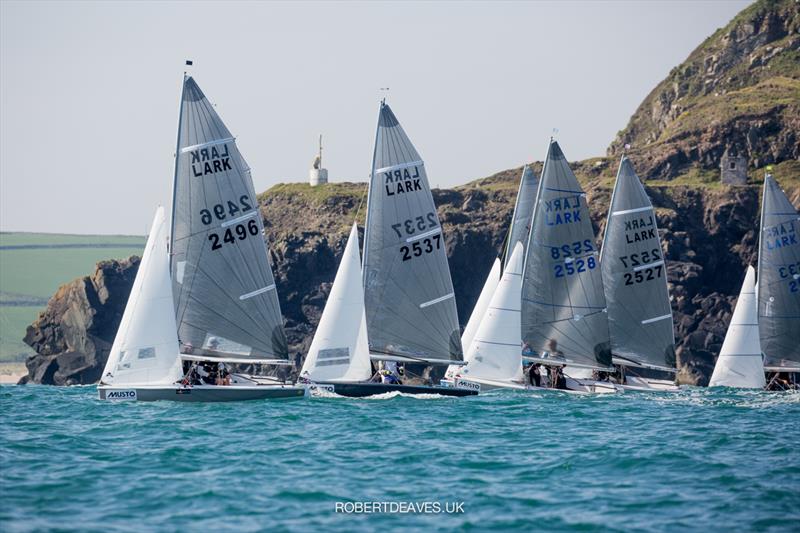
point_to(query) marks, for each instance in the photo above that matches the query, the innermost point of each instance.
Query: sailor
(202, 374)
(223, 376)
(535, 375)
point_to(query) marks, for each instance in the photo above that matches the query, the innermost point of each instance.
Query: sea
(698, 460)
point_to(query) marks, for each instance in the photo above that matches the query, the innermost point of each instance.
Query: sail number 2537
(417, 248)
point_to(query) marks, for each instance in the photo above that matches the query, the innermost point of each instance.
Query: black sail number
(227, 208)
(413, 225)
(231, 235)
(645, 274)
(422, 246)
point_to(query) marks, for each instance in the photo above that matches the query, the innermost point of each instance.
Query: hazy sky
(89, 91)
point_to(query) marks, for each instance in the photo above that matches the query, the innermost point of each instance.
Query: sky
(89, 91)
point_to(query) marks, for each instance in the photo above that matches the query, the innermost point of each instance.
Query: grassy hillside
(34, 265)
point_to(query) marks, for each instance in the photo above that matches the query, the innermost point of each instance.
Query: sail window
(333, 356)
(147, 353)
(124, 360)
(435, 301)
(257, 292)
(221, 344)
(180, 268)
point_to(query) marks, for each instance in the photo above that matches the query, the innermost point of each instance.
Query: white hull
(573, 386)
(648, 385)
(199, 393)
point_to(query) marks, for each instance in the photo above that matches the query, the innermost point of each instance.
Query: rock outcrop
(73, 335)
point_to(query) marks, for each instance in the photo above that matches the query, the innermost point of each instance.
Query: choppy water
(697, 460)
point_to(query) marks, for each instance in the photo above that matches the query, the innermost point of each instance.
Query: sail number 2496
(233, 233)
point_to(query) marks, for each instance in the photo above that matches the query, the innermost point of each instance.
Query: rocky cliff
(740, 87)
(73, 335)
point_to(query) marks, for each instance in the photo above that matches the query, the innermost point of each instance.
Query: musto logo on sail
(121, 395)
(210, 160)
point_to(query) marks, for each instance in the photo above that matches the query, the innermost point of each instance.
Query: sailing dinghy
(779, 287)
(495, 355)
(563, 309)
(635, 284)
(217, 278)
(409, 306)
(518, 232)
(740, 363)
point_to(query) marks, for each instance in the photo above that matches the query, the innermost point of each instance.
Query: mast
(175, 174)
(369, 194)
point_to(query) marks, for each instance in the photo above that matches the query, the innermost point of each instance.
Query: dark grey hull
(362, 390)
(204, 393)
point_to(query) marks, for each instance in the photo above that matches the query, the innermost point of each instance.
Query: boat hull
(201, 393)
(362, 390)
(491, 385)
(591, 386)
(638, 384)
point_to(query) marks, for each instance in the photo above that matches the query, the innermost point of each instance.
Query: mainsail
(339, 350)
(740, 363)
(779, 280)
(523, 212)
(225, 299)
(145, 349)
(635, 278)
(495, 352)
(563, 306)
(409, 299)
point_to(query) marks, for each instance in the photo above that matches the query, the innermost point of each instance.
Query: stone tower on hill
(733, 167)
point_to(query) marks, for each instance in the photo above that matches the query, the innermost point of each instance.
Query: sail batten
(563, 305)
(779, 279)
(635, 277)
(222, 280)
(409, 299)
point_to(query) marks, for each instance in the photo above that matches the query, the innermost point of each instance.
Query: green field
(34, 265)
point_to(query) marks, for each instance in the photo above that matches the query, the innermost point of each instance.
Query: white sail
(339, 350)
(740, 363)
(496, 351)
(145, 349)
(478, 312)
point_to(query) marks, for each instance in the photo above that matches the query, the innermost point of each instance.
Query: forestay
(409, 299)
(635, 278)
(523, 212)
(779, 279)
(563, 306)
(495, 352)
(740, 363)
(145, 349)
(225, 298)
(339, 350)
